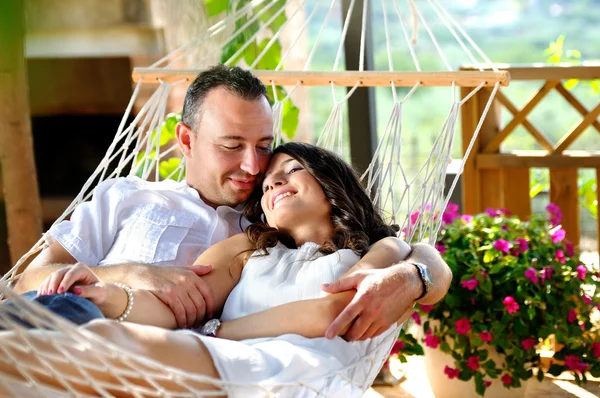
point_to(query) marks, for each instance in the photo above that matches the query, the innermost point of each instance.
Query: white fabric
(132, 220)
(287, 275)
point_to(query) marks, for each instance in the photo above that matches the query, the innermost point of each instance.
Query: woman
(319, 222)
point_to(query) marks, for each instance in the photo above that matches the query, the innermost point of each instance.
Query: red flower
(473, 363)
(462, 326)
(415, 316)
(470, 284)
(570, 249)
(586, 299)
(451, 372)
(426, 308)
(398, 346)
(506, 379)
(487, 383)
(431, 340)
(523, 245)
(596, 350)
(573, 362)
(531, 274)
(581, 271)
(485, 336)
(528, 344)
(571, 316)
(546, 273)
(441, 249)
(510, 304)
(558, 235)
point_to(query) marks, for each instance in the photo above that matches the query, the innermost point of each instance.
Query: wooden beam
(576, 104)
(494, 145)
(572, 135)
(598, 214)
(539, 137)
(564, 193)
(23, 210)
(516, 191)
(344, 78)
(542, 71)
(469, 119)
(517, 159)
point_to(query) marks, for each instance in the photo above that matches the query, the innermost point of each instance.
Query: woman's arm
(308, 318)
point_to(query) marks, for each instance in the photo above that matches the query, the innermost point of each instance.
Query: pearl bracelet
(125, 313)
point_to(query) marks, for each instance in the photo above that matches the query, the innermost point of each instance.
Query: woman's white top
(292, 365)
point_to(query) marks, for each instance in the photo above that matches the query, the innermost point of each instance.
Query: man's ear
(184, 138)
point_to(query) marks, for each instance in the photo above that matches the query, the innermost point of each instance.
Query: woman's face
(292, 196)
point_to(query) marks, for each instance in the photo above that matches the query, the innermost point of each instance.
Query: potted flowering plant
(516, 284)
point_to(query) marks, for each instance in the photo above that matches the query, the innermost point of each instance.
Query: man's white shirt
(130, 220)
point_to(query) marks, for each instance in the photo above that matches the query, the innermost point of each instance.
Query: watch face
(210, 328)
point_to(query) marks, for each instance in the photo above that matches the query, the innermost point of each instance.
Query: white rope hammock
(137, 149)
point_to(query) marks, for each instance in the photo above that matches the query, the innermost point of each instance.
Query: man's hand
(180, 288)
(382, 297)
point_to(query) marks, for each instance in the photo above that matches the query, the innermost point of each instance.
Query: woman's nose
(275, 183)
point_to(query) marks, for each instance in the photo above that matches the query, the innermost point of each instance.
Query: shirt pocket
(155, 233)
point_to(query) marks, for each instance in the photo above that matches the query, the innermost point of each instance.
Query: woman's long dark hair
(356, 223)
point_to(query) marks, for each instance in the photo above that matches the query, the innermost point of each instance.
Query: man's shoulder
(134, 183)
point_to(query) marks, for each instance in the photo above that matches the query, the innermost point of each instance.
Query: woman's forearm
(147, 309)
(308, 318)
(384, 253)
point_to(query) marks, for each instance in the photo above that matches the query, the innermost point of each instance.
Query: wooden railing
(501, 179)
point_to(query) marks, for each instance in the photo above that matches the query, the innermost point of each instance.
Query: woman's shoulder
(236, 247)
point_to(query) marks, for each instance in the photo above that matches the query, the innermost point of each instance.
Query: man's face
(229, 149)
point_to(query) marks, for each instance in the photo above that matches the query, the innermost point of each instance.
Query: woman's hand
(65, 279)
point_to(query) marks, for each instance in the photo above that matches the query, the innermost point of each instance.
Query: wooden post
(470, 193)
(23, 210)
(564, 193)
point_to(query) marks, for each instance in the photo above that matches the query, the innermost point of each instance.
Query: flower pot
(444, 387)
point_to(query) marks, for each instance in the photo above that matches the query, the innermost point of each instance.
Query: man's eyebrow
(268, 138)
(282, 163)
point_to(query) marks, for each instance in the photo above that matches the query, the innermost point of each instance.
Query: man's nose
(250, 162)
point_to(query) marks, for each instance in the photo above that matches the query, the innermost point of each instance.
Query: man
(145, 234)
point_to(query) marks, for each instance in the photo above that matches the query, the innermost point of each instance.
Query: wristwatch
(210, 328)
(425, 277)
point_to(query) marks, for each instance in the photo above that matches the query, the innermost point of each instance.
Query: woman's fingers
(50, 284)
(78, 273)
(96, 293)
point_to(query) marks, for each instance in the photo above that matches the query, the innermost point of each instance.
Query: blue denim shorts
(76, 309)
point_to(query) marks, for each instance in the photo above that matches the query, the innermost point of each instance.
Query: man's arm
(181, 288)
(386, 294)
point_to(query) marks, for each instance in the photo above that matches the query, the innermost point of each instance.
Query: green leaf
(531, 313)
(555, 370)
(215, 7)
(278, 21)
(291, 116)
(479, 386)
(571, 83)
(488, 257)
(166, 167)
(540, 374)
(271, 58)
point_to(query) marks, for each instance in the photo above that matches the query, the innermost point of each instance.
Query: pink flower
(431, 340)
(502, 246)
(555, 215)
(560, 256)
(467, 218)
(487, 383)
(426, 308)
(485, 336)
(448, 218)
(506, 379)
(510, 304)
(441, 249)
(581, 271)
(558, 235)
(491, 212)
(572, 316)
(523, 245)
(531, 274)
(574, 363)
(586, 299)
(570, 249)
(415, 316)
(470, 284)
(413, 217)
(528, 344)
(398, 346)
(473, 363)
(451, 372)
(596, 349)
(546, 273)
(462, 326)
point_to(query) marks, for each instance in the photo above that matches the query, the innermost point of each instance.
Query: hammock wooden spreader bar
(342, 78)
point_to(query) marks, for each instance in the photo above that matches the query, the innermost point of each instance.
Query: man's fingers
(190, 309)
(358, 329)
(343, 320)
(200, 269)
(198, 301)
(344, 283)
(207, 295)
(175, 306)
(370, 333)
